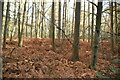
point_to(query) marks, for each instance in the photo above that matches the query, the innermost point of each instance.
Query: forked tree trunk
(96, 37)
(21, 34)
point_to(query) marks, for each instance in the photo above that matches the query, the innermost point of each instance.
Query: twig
(12, 51)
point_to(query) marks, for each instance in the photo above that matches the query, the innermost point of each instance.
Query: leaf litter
(37, 60)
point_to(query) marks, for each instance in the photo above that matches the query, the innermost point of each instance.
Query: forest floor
(37, 60)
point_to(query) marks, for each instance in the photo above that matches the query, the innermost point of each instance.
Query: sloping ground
(37, 60)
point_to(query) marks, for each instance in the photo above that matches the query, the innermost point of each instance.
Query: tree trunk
(42, 20)
(75, 55)
(112, 37)
(26, 27)
(40, 25)
(1, 15)
(19, 15)
(92, 27)
(73, 19)
(88, 22)
(36, 18)
(2, 8)
(21, 34)
(116, 26)
(31, 35)
(63, 21)
(6, 24)
(84, 23)
(53, 28)
(8, 28)
(59, 20)
(40, 16)
(27, 22)
(65, 6)
(96, 37)
(15, 22)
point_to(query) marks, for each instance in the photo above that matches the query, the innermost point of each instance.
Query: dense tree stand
(60, 39)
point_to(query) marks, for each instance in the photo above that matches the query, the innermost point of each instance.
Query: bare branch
(92, 3)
